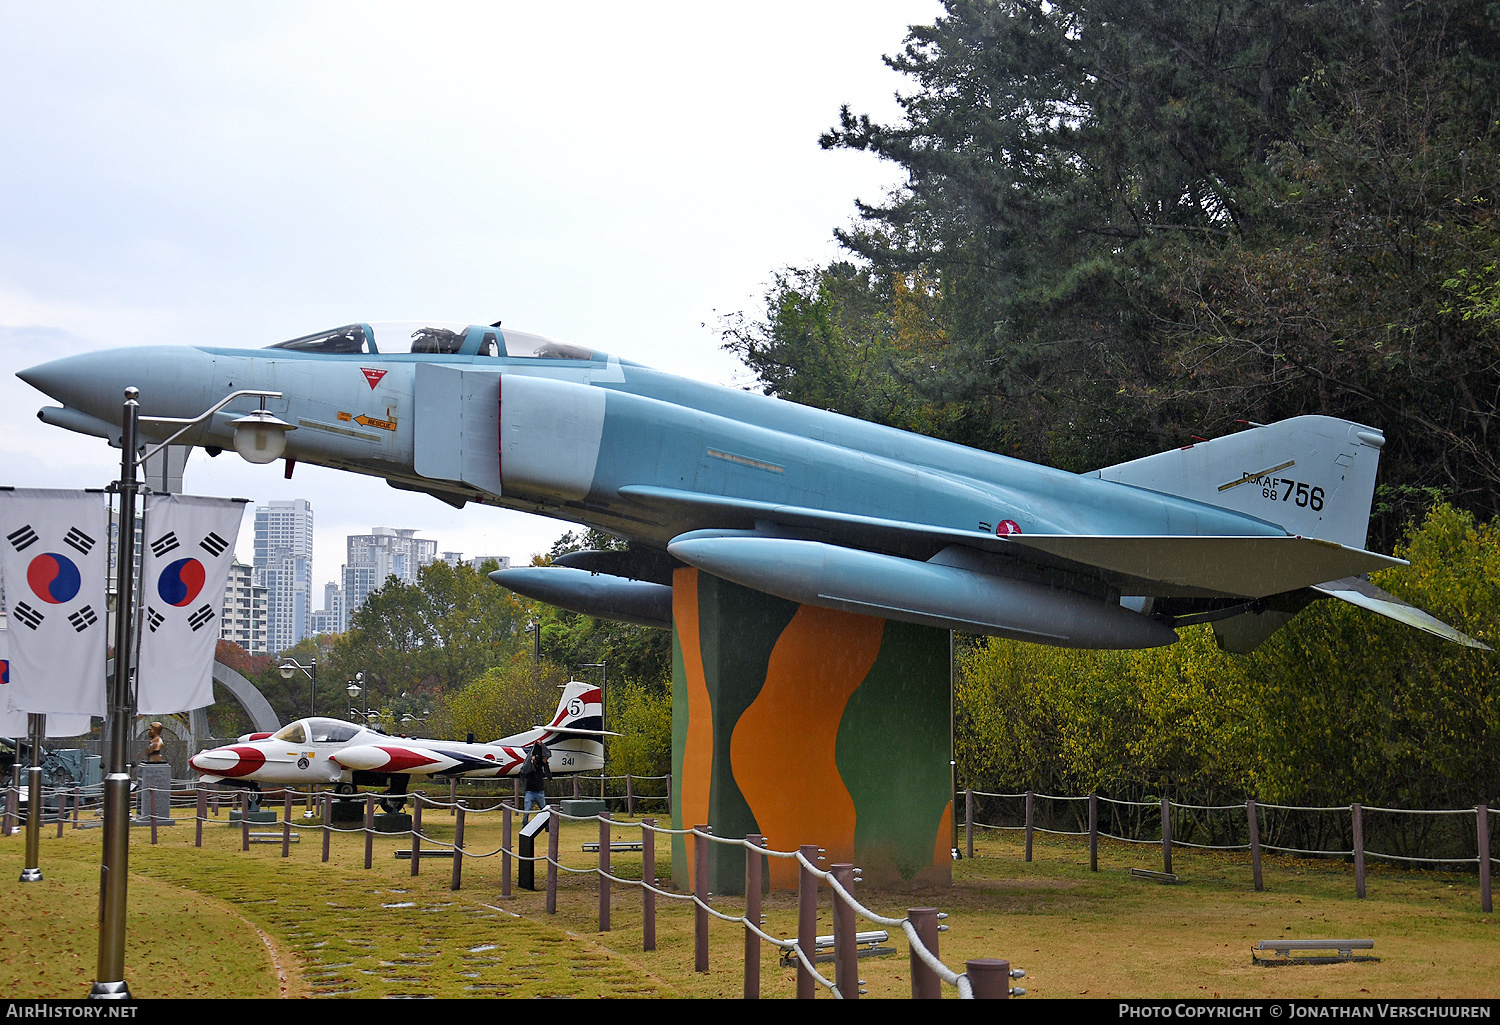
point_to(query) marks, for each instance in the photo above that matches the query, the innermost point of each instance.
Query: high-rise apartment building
(283, 566)
(242, 618)
(373, 558)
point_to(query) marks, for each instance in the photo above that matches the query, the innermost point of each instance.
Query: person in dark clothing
(534, 776)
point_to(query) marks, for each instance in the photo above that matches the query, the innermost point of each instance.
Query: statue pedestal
(808, 726)
(155, 779)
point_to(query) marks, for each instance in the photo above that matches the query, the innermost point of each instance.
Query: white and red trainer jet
(319, 751)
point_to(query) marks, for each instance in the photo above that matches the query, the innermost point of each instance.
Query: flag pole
(109, 981)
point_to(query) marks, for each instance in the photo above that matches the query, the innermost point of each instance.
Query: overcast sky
(618, 175)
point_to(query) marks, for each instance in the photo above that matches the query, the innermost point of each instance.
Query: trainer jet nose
(228, 761)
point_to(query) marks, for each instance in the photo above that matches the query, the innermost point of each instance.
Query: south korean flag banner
(54, 551)
(12, 724)
(186, 551)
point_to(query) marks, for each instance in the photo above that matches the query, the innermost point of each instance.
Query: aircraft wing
(1174, 565)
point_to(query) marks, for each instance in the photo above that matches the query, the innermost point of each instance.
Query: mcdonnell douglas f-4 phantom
(322, 751)
(1242, 531)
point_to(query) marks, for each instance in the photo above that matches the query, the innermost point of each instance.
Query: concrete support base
(808, 726)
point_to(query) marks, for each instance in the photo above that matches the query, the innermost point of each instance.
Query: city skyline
(284, 567)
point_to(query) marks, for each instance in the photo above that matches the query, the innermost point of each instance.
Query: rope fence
(1169, 824)
(981, 978)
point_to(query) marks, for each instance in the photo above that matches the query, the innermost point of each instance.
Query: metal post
(369, 830)
(604, 841)
(505, 849)
(989, 977)
(416, 833)
(327, 828)
(629, 796)
(458, 850)
(553, 825)
(1359, 850)
(32, 873)
(114, 867)
(969, 823)
(244, 820)
(286, 822)
(753, 843)
(1482, 828)
(12, 799)
(1029, 820)
(1093, 832)
(925, 984)
(700, 903)
(648, 876)
(202, 814)
(154, 794)
(1166, 836)
(845, 946)
(807, 920)
(1252, 817)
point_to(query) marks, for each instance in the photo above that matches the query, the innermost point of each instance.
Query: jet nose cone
(228, 761)
(52, 378)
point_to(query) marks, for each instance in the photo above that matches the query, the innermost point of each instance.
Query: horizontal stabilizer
(576, 733)
(1250, 567)
(1366, 595)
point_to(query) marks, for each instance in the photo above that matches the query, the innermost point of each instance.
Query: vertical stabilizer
(1312, 475)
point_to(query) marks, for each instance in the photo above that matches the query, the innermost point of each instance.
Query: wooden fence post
(202, 813)
(969, 823)
(369, 830)
(1482, 827)
(925, 984)
(505, 849)
(553, 825)
(1029, 822)
(807, 921)
(700, 891)
(648, 876)
(753, 844)
(845, 928)
(989, 977)
(1359, 850)
(416, 833)
(1093, 832)
(1166, 836)
(458, 849)
(1252, 816)
(604, 841)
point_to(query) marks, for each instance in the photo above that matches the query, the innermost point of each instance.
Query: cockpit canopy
(317, 731)
(435, 338)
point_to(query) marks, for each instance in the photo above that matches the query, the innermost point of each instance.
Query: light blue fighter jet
(1242, 531)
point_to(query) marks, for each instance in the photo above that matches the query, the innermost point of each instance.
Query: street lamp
(354, 690)
(603, 668)
(109, 982)
(290, 665)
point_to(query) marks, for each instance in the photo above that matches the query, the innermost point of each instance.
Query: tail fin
(576, 733)
(1312, 475)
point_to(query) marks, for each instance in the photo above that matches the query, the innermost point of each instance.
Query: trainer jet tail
(320, 751)
(818, 508)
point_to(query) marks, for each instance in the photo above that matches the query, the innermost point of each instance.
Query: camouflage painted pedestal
(809, 726)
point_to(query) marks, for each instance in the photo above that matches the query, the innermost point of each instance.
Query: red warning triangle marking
(373, 376)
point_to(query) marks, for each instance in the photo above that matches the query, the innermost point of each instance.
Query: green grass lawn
(219, 922)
